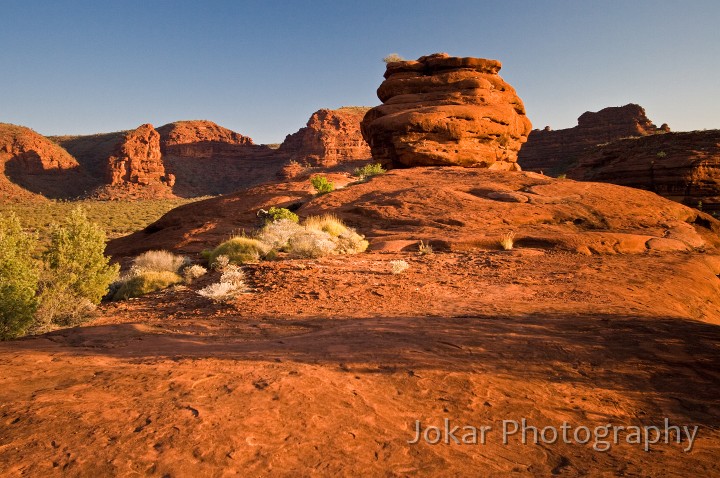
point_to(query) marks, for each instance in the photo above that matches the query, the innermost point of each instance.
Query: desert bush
(350, 242)
(311, 243)
(240, 250)
(280, 213)
(277, 234)
(507, 241)
(159, 261)
(232, 283)
(369, 170)
(326, 223)
(393, 57)
(322, 185)
(193, 272)
(221, 262)
(399, 266)
(62, 308)
(144, 282)
(75, 266)
(18, 278)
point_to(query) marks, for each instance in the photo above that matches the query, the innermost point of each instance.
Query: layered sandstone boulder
(330, 137)
(446, 111)
(137, 163)
(31, 164)
(554, 152)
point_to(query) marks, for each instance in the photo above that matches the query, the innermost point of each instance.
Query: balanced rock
(330, 137)
(446, 111)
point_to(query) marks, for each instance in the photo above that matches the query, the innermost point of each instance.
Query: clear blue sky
(262, 67)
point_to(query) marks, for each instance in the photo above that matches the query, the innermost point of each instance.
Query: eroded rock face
(446, 111)
(553, 152)
(330, 137)
(200, 139)
(31, 161)
(137, 160)
(684, 167)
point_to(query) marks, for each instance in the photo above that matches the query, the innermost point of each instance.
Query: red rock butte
(446, 111)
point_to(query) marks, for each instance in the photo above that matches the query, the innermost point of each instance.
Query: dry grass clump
(318, 236)
(240, 250)
(507, 241)
(311, 244)
(159, 261)
(326, 223)
(193, 272)
(152, 271)
(232, 284)
(277, 234)
(424, 248)
(398, 266)
(140, 282)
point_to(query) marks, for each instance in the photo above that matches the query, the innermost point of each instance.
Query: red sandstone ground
(607, 311)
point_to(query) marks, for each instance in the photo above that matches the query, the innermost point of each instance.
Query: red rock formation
(32, 165)
(684, 167)
(137, 163)
(330, 137)
(200, 139)
(442, 110)
(207, 159)
(554, 152)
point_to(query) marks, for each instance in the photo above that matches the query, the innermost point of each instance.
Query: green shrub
(75, 266)
(322, 185)
(240, 250)
(145, 282)
(18, 278)
(279, 213)
(369, 170)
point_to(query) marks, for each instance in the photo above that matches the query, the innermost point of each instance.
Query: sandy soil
(323, 368)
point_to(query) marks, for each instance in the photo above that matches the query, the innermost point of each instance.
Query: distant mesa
(446, 111)
(554, 151)
(184, 158)
(621, 145)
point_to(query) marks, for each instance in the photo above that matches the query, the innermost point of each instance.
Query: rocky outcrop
(200, 139)
(684, 167)
(31, 164)
(330, 137)
(137, 164)
(185, 158)
(442, 110)
(554, 152)
(207, 159)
